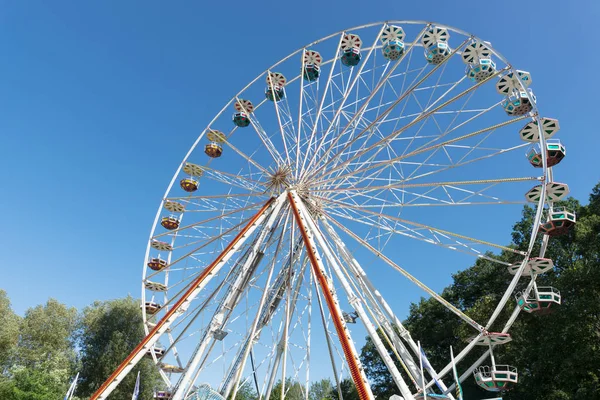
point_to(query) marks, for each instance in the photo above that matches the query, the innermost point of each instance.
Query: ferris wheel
(323, 191)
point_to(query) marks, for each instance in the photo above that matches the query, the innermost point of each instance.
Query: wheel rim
(337, 159)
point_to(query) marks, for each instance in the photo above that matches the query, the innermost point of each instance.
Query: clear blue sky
(99, 101)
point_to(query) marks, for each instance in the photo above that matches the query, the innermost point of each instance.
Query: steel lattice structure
(340, 159)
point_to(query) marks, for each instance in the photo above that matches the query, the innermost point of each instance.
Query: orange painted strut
(178, 304)
(355, 371)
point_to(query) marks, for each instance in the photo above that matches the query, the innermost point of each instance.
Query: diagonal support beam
(356, 303)
(385, 320)
(223, 312)
(194, 289)
(411, 278)
(356, 370)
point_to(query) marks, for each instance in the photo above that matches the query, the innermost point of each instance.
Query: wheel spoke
(384, 114)
(396, 133)
(410, 277)
(358, 113)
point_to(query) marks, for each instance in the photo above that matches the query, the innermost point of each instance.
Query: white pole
(136, 390)
(71, 390)
(220, 318)
(422, 373)
(356, 303)
(457, 380)
(492, 357)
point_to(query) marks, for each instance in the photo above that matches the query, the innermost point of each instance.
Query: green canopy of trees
(42, 352)
(41, 357)
(108, 332)
(558, 354)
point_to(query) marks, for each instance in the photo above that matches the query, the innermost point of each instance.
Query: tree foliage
(9, 331)
(108, 332)
(44, 350)
(320, 390)
(47, 335)
(347, 389)
(44, 356)
(293, 390)
(246, 391)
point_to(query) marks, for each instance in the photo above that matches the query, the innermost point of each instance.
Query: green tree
(46, 337)
(293, 390)
(108, 332)
(9, 331)
(322, 389)
(246, 391)
(44, 358)
(348, 390)
(9, 335)
(37, 384)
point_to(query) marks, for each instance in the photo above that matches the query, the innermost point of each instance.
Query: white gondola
(495, 377)
(539, 300)
(559, 222)
(435, 43)
(555, 152)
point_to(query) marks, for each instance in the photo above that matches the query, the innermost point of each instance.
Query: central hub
(279, 178)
